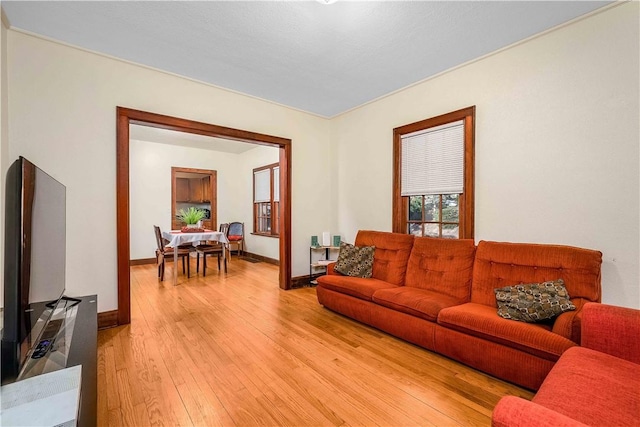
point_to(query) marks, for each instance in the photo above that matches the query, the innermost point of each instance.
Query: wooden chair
(235, 235)
(214, 248)
(163, 252)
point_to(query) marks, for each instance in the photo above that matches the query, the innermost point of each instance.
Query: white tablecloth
(176, 237)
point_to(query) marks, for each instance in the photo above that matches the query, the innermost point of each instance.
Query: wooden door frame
(127, 116)
(213, 191)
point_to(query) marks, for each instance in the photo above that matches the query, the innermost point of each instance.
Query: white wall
(248, 161)
(557, 137)
(548, 169)
(62, 106)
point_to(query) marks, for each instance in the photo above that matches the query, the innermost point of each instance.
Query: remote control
(47, 339)
(41, 349)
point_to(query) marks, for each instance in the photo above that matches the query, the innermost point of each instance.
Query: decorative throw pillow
(533, 302)
(355, 261)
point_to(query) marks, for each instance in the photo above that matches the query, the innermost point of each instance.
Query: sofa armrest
(330, 269)
(612, 330)
(512, 411)
(569, 323)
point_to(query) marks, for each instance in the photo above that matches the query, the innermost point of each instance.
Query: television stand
(76, 344)
(74, 301)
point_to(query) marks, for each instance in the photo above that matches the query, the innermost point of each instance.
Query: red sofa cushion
(442, 265)
(499, 264)
(594, 388)
(417, 302)
(483, 322)
(392, 253)
(354, 286)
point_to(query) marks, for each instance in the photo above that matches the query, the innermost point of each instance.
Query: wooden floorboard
(235, 349)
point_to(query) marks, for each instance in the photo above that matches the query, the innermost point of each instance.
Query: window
(433, 176)
(266, 200)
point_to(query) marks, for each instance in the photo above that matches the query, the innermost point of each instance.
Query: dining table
(179, 237)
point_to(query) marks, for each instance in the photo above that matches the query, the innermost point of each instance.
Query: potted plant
(191, 216)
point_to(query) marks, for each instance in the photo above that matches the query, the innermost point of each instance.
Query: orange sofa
(596, 384)
(439, 294)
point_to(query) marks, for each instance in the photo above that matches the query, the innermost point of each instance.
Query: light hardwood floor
(236, 350)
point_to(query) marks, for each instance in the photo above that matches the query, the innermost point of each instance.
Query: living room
(557, 152)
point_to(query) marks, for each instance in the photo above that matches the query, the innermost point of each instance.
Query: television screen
(35, 257)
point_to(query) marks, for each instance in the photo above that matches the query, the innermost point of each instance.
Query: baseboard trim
(261, 258)
(142, 261)
(302, 281)
(108, 319)
(145, 261)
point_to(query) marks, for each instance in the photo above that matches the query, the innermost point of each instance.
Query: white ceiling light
(326, 1)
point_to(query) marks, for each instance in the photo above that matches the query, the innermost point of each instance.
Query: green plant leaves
(191, 215)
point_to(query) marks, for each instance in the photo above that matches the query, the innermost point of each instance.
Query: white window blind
(276, 184)
(433, 160)
(262, 186)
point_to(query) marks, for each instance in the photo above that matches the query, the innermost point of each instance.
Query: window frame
(274, 204)
(466, 200)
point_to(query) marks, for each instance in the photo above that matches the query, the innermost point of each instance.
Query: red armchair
(596, 384)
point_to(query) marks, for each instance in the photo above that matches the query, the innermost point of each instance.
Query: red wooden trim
(466, 201)
(468, 230)
(260, 258)
(213, 192)
(273, 232)
(200, 128)
(285, 216)
(122, 216)
(126, 116)
(108, 319)
(143, 261)
(398, 210)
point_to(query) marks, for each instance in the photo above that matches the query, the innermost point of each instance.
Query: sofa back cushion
(391, 255)
(500, 264)
(442, 265)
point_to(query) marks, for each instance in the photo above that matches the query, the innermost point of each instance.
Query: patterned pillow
(355, 261)
(533, 302)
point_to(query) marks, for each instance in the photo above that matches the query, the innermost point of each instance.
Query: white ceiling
(183, 139)
(324, 59)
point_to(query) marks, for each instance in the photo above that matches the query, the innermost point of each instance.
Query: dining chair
(214, 248)
(235, 235)
(163, 252)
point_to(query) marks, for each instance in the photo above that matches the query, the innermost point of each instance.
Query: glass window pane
(432, 230)
(432, 208)
(415, 208)
(450, 208)
(450, 231)
(415, 229)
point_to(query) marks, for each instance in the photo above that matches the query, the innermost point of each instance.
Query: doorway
(197, 188)
(126, 117)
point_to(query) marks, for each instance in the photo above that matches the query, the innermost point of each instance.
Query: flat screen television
(34, 259)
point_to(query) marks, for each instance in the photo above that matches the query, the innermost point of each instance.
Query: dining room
(172, 172)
